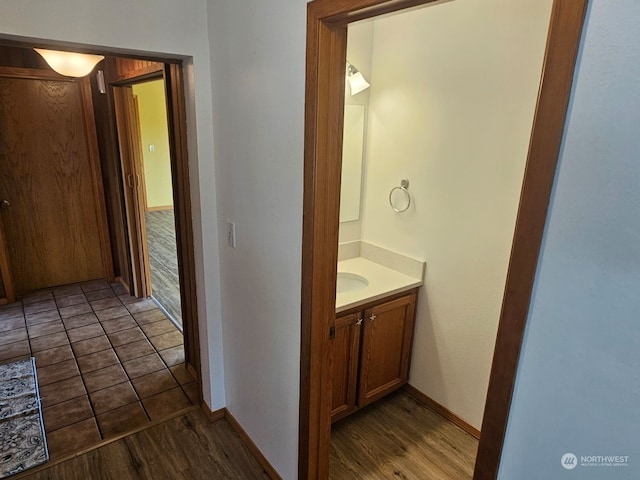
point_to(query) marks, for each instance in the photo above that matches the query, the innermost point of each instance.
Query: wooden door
(386, 348)
(345, 348)
(53, 216)
(128, 127)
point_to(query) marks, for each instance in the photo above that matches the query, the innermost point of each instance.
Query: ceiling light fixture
(356, 80)
(70, 64)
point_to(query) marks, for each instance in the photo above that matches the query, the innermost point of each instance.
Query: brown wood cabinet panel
(371, 352)
(345, 350)
(386, 348)
(52, 229)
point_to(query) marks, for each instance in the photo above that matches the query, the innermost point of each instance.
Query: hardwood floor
(165, 283)
(187, 447)
(397, 437)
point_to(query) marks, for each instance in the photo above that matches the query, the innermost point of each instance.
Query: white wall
(578, 384)
(359, 49)
(453, 91)
(258, 58)
(179, 29)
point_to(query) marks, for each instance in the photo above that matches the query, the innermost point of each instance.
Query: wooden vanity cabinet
(371, 352)
(346, 349)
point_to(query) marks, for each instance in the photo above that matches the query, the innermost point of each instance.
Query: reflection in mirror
(352, 146)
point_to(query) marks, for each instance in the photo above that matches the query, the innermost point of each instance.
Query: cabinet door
(345, 349)
(386, 348)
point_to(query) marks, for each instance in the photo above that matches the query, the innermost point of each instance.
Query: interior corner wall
(177, 29)
(453, 93)
(578, 387)
(154, 133)
(258, 70)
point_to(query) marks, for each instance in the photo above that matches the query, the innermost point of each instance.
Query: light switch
(152, 148)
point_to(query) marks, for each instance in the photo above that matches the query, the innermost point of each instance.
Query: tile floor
(107, 362)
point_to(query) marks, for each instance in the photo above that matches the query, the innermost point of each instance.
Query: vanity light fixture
(356, 80)
(70, 64)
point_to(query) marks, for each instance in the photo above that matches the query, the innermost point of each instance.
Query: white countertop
(383, 281)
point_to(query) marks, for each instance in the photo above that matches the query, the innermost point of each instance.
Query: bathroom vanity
(373, 331)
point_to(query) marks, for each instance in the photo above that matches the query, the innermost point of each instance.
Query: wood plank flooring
(165, 283)
(187, 447)
(397, 437)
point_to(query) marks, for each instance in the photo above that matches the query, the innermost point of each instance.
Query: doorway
(124, 149)
(107, 362)
(142, 125)
(326, 58)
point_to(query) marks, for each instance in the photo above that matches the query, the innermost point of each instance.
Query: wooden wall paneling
(176, 116)
(112, 180)
(124, 69)
(326, 33)
(98, 185)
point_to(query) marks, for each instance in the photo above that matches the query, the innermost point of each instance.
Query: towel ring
(404, 185)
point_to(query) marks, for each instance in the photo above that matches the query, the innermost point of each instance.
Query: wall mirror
(352, 149)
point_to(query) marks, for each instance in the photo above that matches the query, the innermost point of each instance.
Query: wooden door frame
(177, 119)
(172, 75)
(130, 147)
(88, 121)
(327, 22)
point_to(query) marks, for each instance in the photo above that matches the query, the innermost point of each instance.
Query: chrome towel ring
(404, 186)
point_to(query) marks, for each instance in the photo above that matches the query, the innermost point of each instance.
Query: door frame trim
(177, 119)
(131, 159)
(327, 22)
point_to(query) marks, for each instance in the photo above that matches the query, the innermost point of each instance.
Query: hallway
(107, 363)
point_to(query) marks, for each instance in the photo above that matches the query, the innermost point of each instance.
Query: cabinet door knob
(372, 317)
(359, 322)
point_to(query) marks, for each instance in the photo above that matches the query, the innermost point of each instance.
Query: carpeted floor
(165, 283)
